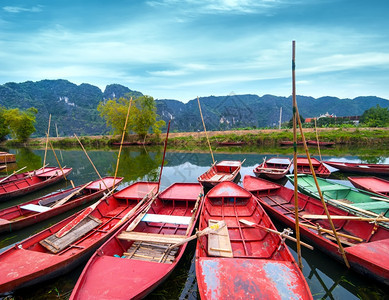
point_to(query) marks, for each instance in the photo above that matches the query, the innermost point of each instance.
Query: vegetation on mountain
(142, 119)
(74, 108)
(19, 124)
(376, 117)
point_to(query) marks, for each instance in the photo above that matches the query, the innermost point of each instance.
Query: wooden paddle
(194, 211)
(134, 209)
(64, 200)
(331, 232)
(68, 227)
(282, 235)
(380, 199)
(13, 173)
(211, 229)
(350, 206)
(139, 217)
(353, 218)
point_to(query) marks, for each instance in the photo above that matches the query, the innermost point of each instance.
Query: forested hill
(73, 107)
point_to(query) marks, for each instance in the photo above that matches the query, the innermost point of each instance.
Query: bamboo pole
(55, 155)
(113, 187)
(121, 143)
(205, 130)
(47, 140)
(317, 140)
(341, 249)
(295, 115)
(163, 158)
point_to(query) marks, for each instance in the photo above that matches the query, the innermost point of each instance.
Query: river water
(327, 279)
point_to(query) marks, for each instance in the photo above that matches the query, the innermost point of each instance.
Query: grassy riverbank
(267, 137)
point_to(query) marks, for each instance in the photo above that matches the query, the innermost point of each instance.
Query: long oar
(134, 209)
(205, 130)
(68, 227)
(64, 200)
(331, 232)
(140, 216)
(13, 173)
(163, 158)
(297, 116)
(211, 229)
(194, 211)
(282, 235)
(352, 218)
(47, 140)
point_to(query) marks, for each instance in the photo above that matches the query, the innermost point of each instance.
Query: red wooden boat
(323, 144)
(380, 169)
(241, 261)
(230, 143)
(320, 169)
(34, 211)
(44, 255)
(273, 168)
(226, 170)
(132, 263)
(16, 186)
(368, 256)
(290, 143)
(372, 184)
(6, 158)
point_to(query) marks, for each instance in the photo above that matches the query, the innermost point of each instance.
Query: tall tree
(21, 123)
(4, 129)
(143, 115)
(376, 117)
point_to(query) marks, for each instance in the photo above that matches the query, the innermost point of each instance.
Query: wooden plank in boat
(36, 208)
(151, 237)
(219, 243)
(156, 218)
(216, 177)
(56, 245)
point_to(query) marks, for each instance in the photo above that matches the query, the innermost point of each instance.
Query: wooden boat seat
(372, 205)
(156, 218)
(154, 252)
(151, 237)
(36, 208)
(216, 177)
(334, 188)
(55, 244)
(219, 243)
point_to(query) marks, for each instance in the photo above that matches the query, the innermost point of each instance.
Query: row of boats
(136, 236)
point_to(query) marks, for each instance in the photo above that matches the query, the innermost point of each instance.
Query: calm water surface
(326, 278)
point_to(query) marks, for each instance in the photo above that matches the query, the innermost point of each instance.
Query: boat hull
(380, 169)
(370, 258)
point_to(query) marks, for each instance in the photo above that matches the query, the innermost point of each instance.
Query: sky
(181, 49)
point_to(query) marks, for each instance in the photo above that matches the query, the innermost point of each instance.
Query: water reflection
(327, 278)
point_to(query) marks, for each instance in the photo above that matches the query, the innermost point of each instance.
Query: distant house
(354, 119)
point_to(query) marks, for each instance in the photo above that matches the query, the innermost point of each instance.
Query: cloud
(18, 9)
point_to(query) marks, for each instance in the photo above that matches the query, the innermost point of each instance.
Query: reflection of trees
(372, 159)
(25, 157)
(139, 165)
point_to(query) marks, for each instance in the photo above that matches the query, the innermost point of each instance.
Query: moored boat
(243, 261)
(6, 158)
(132, 263)
(372, 184)
(274, 168)
(226, 170)
(63, 246)
(319, 168)
(24, 183)
(320, 143)
(290, 143)
(240, 143)
(381, 169)
(34, 211)
(366, 243)
(346, 197)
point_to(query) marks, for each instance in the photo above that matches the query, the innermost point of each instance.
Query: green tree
(4, 129)
(114, 111)
(21, 123)
(143, 115)
(376, 117)
(290, 123)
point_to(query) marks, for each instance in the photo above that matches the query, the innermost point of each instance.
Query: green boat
(348, 198)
